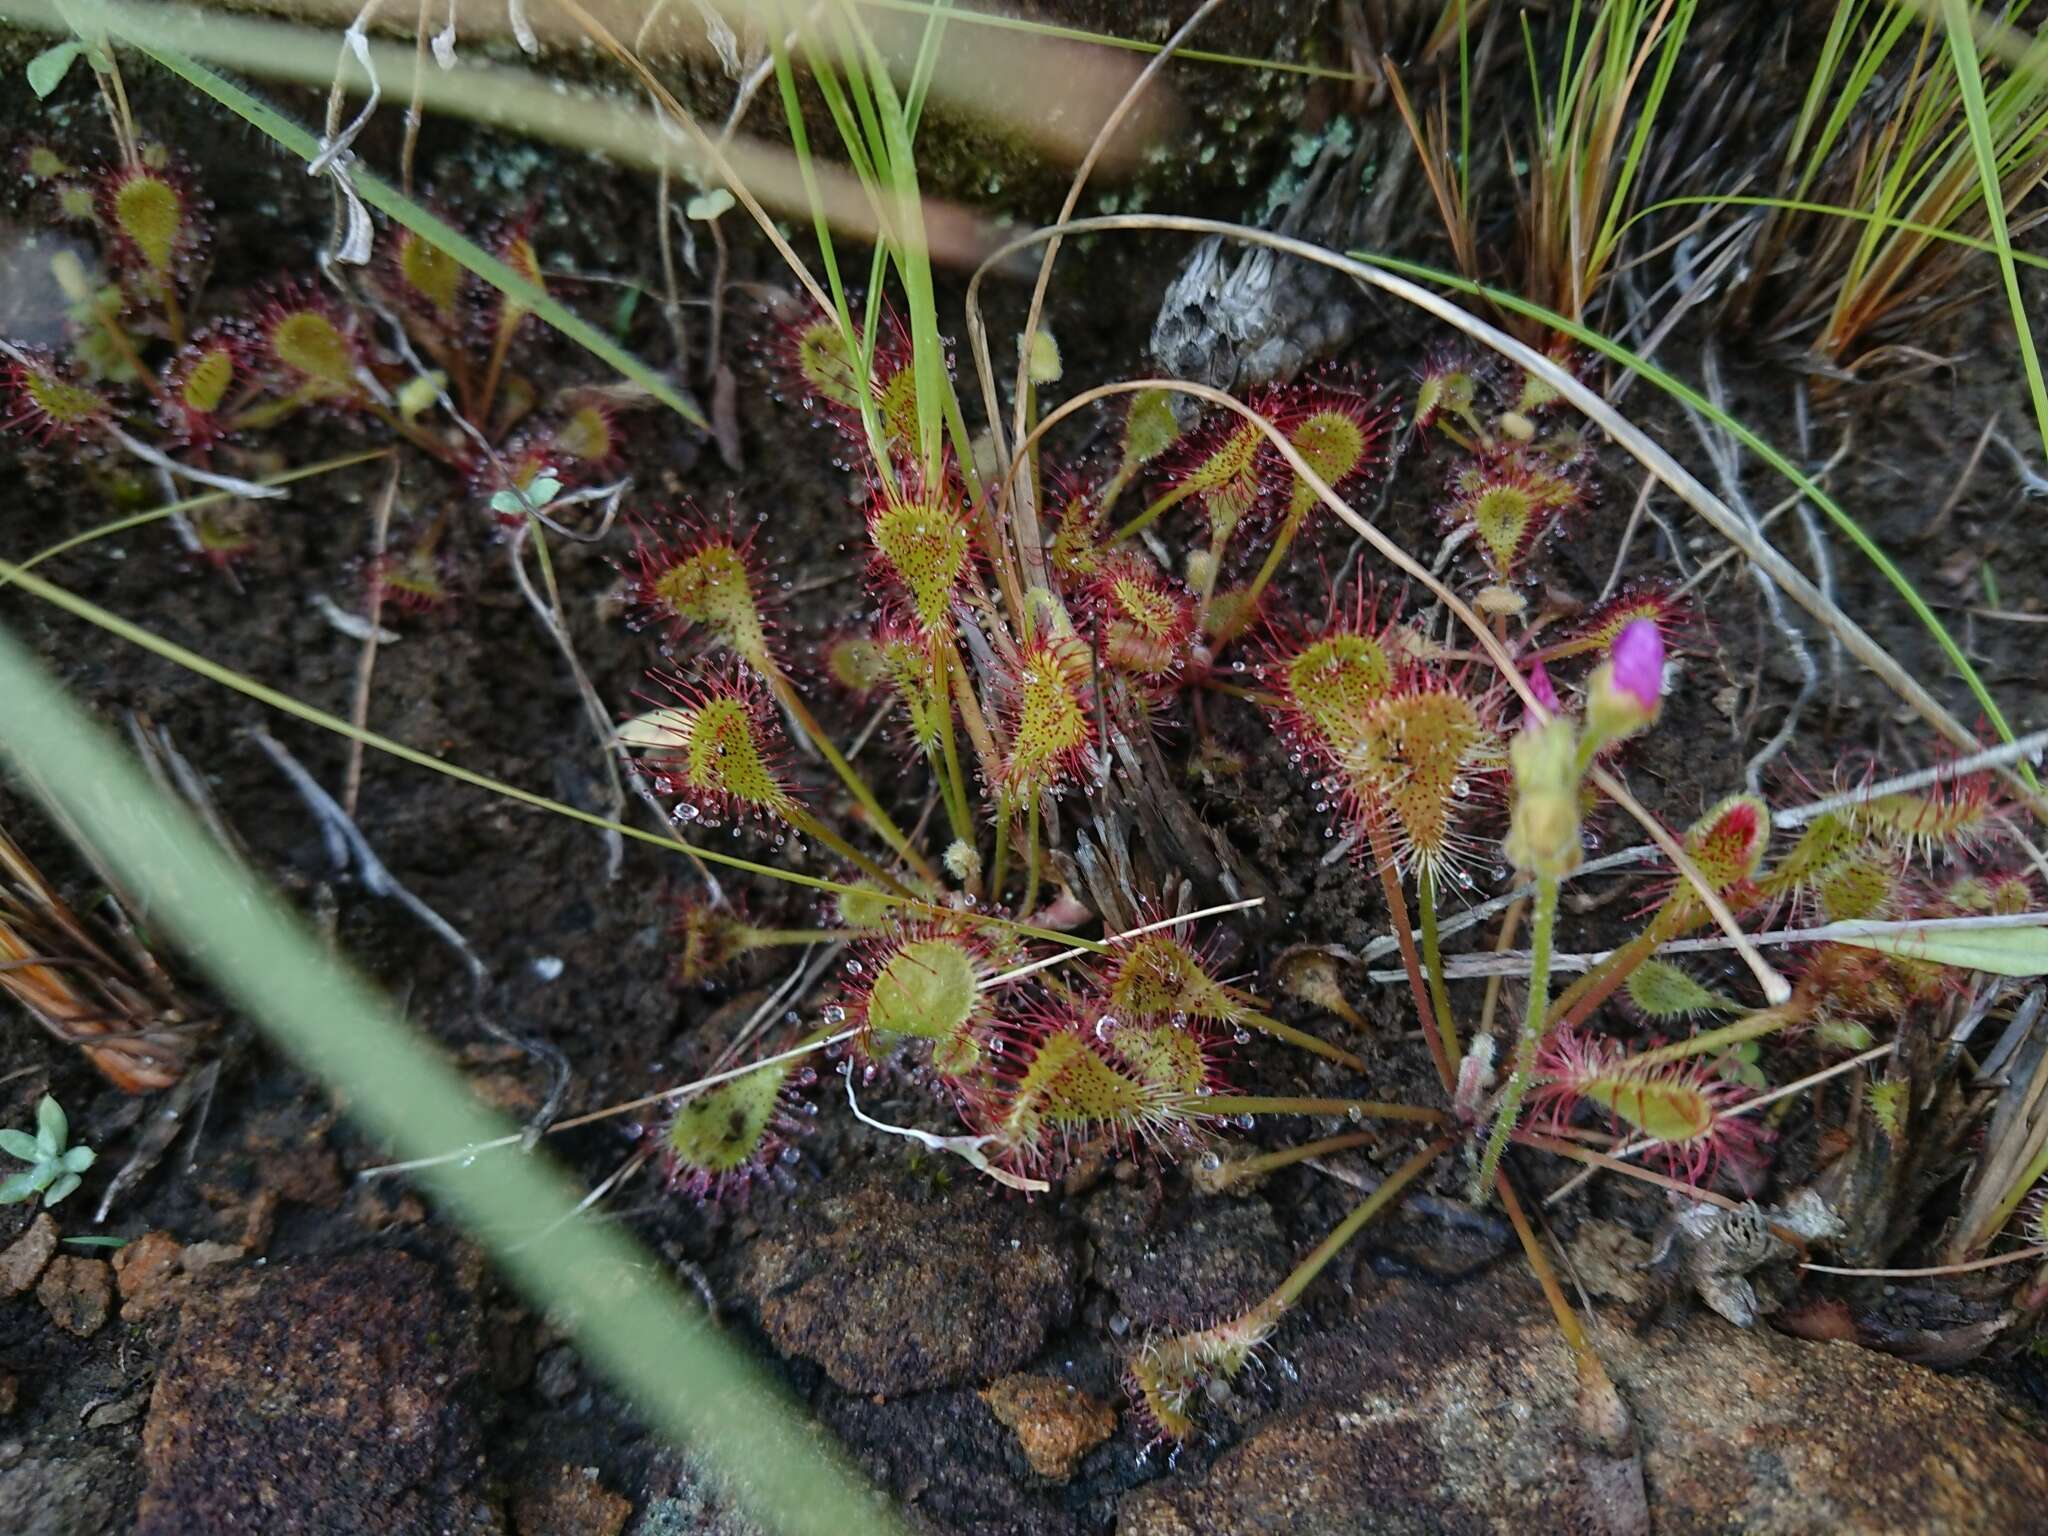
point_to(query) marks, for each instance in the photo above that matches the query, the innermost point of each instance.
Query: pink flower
(1638, 658)
(1541, 686)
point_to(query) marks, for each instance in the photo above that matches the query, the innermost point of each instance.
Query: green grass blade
(1679, 390)
(1963, 50)
(859, 344)
(685, 1376)
(1837, 210)
(401, 209)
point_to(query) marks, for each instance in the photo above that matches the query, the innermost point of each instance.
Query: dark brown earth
(282, 1349)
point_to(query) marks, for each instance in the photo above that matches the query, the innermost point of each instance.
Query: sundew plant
(1073, 598)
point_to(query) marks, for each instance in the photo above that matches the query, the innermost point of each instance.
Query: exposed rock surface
(327, 1397)
(1188, 1265)
(1459, 1415)
(61, 1493)
(894, 1294)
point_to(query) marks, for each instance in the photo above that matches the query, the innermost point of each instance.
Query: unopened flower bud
(1627, 690)
(1543, 834)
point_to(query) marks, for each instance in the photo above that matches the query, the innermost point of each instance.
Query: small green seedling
(543, 489)
(53, 1170)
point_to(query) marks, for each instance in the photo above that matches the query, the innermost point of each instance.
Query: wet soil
(1417, 1390)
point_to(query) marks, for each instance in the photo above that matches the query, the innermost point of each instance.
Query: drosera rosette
(1078, 541)
(1958, 815)
(1425, 765)
(910, 665)
(718, 1142)
(1596, 631)
(1231, 612)
(1509, 498)
(1727, 844)
(1223, 468)
(1150, 429)
(1173, 1377)
(813, 364)
(1048, 717)
(1662, 993)
(1340, 433)
(152, 216)
(718, 749)
(428, 282)
(921, 990)
(1835, 872)
(38, 162)
(585, 433)
(922, 558)
(1061, 1082)
(1988, 892)
(1162, 977)
(1143, 621)
(1679, 1102)
(508, 313)
(313, 350)
(201, 386)
(855, 662)
(1334, 423)
(155, 226)
(1448, 388)
(697, 576)
(223, 535)
(709, 937)
(1328, 684)
(47, 401)
(1536, 397)
(1840, 991)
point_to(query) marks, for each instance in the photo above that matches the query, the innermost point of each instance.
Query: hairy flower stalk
(1550, 758)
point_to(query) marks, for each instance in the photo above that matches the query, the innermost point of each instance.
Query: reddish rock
(146, 1273)
(77, 1293)
(569, 1501)
(22, 1261)
(1463, 1416)
(1056, 1424)
(198, 1258)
